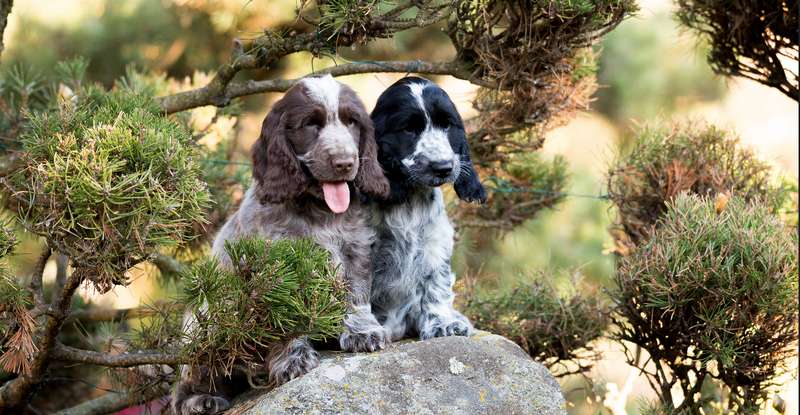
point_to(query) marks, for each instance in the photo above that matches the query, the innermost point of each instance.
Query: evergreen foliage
(16, 324)
(537, 56)
(665, 161)
(528, 185)
(11, 294)
(107, 178)
(713, 294)
(273, 291)
(755, 39)
(555, 328)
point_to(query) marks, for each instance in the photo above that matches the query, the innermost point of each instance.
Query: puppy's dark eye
(348, 121)
(413, 125)
(442, 120)
(313, 122)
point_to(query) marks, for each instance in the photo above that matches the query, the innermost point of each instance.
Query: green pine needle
(107, 179)
(274, 291)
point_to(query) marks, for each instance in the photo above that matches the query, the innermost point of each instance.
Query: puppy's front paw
(294, 360)
(202, 404)
(362, 332)
(437, 326)
(370, 339)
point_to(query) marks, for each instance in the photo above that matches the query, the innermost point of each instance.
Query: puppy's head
(315, 140)
(421, 140)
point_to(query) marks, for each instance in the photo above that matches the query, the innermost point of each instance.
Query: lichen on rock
(481, 374)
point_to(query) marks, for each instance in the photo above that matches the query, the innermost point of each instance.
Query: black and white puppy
(421, 145)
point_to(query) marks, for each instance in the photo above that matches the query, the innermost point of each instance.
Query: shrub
(106, 179)
(275, 291)
(749, 38)
(712, 295)
(529, 185)
(667, 161)
(553, 328)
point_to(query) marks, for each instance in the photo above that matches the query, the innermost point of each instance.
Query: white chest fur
(412, 278)
(420, 233)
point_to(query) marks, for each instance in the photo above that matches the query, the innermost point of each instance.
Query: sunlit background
(649, 70)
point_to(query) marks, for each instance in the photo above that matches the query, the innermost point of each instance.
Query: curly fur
(316, 123)
(418, 131)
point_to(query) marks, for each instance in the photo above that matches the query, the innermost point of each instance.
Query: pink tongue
(337, 196)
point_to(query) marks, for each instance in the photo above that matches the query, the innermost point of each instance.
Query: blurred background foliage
(646, 68)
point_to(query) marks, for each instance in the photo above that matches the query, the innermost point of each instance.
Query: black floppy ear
(370, 178)
(276, 169)
(468, 185)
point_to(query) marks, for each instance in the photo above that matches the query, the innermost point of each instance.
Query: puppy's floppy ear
(468, 185)
(370, 178)
(276, 169)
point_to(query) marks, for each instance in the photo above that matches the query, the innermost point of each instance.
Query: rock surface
(482, 374)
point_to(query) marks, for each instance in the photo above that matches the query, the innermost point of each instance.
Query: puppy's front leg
(362, 332)
(437, 316)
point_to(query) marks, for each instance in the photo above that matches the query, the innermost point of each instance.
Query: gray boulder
(482, 374)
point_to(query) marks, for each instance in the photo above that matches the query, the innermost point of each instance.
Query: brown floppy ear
(370, 178)
(276, 169)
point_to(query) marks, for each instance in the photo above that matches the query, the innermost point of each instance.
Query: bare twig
(66, 353)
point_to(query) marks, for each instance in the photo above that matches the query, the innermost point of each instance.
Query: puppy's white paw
(368, 340)
(439, 326)
(363, 333)
(294, 360)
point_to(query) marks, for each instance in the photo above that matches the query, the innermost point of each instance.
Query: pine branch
(70, 354)
(265, 50)
(114, 401)
(212, 96)
(14, 392)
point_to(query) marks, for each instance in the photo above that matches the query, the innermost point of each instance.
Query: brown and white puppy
(315, 154)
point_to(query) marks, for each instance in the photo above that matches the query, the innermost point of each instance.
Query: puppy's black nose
(442, 168)
(343, 165)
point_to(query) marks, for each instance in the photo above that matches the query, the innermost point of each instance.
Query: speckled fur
(416, 126)
(286, 201)
(412, 288)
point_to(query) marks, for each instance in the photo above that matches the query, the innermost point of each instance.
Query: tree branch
(62, 262)
(14, 392)
(66, 353)
(36, 278)
(206, 95)
(267, 49)
(114, 401)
